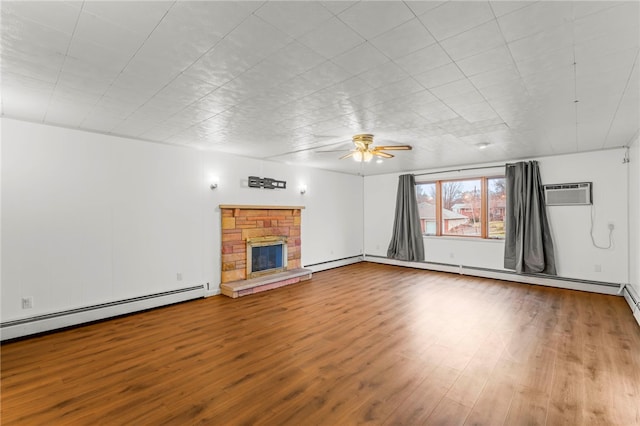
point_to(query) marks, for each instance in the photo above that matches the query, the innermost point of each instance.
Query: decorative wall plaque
(267, 183)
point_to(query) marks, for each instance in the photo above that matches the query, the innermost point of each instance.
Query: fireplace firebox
(266, 255)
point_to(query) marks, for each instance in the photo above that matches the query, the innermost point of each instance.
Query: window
(463, 207)
(497, 206)
(426, 195)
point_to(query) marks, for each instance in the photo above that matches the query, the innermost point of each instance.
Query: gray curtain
(406, 241)
(528, 247)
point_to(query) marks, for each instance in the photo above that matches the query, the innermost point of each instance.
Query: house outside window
(462, 207)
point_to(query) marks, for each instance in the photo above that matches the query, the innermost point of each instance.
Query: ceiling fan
(364, 152)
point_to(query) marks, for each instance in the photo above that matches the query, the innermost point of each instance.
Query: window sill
(468, 239)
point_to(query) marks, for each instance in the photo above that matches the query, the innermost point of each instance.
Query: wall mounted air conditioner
(568, 194)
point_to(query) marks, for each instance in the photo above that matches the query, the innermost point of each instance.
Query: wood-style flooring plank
(361, 344)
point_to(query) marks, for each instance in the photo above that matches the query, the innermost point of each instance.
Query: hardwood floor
(365, 343)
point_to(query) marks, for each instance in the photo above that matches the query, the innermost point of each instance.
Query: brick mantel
(259, 207)
(241, 222)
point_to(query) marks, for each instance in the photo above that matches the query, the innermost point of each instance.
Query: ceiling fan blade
(381, 154)
(348, 155)
(360, 144)
(393, 148)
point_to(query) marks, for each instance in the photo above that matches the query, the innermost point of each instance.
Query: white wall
(575, 255)
(89, 218)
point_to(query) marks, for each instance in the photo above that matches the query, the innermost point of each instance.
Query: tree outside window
(465, 207)
(497, 200)
(467, 204)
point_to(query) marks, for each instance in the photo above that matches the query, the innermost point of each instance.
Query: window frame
(484, 206)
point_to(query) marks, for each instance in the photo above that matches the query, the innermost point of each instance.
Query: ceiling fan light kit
(364, 152)
(365, 156)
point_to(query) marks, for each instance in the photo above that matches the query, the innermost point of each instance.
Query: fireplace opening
(266, 255)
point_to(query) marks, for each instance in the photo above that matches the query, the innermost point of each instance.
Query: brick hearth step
(241, 288)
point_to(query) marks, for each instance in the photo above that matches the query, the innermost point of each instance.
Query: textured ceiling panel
(293, 81)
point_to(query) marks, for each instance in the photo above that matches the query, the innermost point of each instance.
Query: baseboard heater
(336, 263)
(538, 279)
(56, 320)
(633, 300)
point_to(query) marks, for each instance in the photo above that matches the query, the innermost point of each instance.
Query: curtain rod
(462, 170)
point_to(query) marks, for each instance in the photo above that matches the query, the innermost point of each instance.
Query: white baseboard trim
(559, 282)
(41, 323)
(330, 264)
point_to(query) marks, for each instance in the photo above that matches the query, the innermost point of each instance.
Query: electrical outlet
(597, 268)
(179, 276)
(27, 302)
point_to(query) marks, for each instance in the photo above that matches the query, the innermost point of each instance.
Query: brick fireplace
(245, 226)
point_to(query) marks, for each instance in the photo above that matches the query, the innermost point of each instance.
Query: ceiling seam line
(635, 65)
(461, 71)
(125, 67)
(64, 61)
(208, 93)
(185, 69)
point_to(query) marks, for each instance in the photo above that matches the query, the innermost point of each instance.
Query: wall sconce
(303, 188)
(213, 181)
